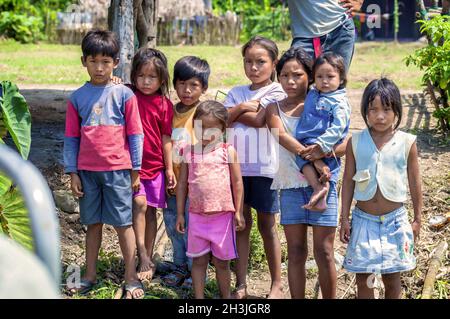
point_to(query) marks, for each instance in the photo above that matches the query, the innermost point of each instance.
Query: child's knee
(139, 204)
(323, 253)
(298, 253)
(201, 261)
(221, 264)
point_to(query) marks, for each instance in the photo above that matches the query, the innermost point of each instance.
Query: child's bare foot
(275, 293)
(317, 202)
(240, 292)
(325, 175)
(134, 290)
(145, 269)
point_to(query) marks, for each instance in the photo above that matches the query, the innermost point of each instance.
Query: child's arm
(237, 188)
(277, 129)
(415, 188)
(71, 149)
(236, 111)
(253, 119)
(167, 151)
(348, 188)
(181, 197)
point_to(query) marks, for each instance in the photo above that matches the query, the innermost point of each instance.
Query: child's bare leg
(268, 229)
(318, 198)
(139, 227)
(392, 286)
(127, 244)
(93, 243)
(362, 283)
(297, 245)
(323, 240)
(243, 249)
(151, 229)
(198, 273)
(223, 277)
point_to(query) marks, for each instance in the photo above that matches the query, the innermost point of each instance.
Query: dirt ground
(48, 104)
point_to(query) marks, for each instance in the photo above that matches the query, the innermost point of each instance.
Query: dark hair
(100, 42)
(300, 55)
(336, 61)
(214, 108)
(267, 44)
(189, 67)
(159, 60)
(389, 95)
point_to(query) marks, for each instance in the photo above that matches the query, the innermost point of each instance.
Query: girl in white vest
(380, 160)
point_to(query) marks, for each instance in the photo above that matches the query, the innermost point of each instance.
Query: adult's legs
(243, 249)
(272, 247)
(297, 246)
(342, 41)
(323, 240)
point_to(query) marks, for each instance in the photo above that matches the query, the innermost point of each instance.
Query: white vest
(386, 169)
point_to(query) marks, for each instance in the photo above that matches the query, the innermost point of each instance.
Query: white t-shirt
(256, 147)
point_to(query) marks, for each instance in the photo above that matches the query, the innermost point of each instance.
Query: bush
(20, 27)
(434, 59)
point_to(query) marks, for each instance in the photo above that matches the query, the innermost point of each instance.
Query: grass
(56, 64)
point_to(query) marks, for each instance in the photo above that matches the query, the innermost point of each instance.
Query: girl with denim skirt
(380, 160)
(294, 72)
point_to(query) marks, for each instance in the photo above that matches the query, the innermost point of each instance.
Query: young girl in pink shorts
(213, 174)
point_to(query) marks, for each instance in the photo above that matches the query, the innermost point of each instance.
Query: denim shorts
(292, 213)
(107, 198)
(380, 244)
(340, 41)
(258, 195)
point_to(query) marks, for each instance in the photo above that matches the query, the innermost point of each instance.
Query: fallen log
(435, 264)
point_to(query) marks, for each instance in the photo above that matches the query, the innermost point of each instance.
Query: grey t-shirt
(314, 18)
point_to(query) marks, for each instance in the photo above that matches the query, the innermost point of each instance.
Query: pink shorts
(213, 233)
(154, 190)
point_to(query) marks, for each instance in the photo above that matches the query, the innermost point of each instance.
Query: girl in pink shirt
(150, 83)
(212, 173)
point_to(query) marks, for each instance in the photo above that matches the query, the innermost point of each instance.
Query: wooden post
(121, 22)
(435, 263)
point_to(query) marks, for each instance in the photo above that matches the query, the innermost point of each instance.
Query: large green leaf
(16, 117)
(5, 184)
(14, 220)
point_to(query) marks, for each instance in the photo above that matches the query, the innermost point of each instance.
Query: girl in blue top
(379, 161)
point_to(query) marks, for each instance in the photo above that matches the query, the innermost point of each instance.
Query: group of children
(129, 151)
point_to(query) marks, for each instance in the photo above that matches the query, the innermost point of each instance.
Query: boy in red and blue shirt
(103, 155)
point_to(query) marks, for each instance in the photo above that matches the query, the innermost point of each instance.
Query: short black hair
(336, 61)
(303, 58)
(100, 42)
(189, 67)
(389, 95)
(159, 60)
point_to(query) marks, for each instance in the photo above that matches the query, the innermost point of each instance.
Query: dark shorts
(258, 195)
(340, 41)
(107, 198)
(292, 213)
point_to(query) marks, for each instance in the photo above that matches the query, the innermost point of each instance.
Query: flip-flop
(132, 287)
(85, 287)
(175, 278)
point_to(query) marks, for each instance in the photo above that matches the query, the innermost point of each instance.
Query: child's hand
(116, 80)
(344, 232)
(239, 221)
(135, 181)
(312, 152)
(171, 181)
(415, 225)
(250, 106)
(75, 185)
(179, 226)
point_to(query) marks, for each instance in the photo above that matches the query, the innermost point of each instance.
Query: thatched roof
(181, 8)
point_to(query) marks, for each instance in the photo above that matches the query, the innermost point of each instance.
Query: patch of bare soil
(48, 112)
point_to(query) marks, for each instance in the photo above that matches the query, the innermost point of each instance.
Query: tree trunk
(120, 19)
(146, 15)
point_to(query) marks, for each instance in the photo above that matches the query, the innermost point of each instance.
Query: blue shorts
(107, 198)
(380, 244)
(258, 195)
(292, 213)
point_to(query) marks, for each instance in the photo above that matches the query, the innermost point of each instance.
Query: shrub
(20, 27)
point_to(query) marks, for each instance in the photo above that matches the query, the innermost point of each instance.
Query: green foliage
(15, 119)
(434, 59)
(30, 20)
(260, 17)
